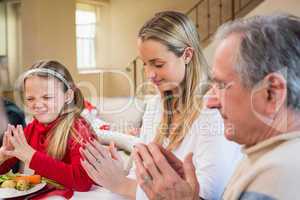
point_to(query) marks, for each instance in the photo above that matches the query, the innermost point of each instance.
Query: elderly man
(256, 73)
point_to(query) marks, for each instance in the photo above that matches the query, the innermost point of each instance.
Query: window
(91, 35)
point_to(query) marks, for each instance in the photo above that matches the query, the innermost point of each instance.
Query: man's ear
(188, 54)
(276, 92)
(69, 96)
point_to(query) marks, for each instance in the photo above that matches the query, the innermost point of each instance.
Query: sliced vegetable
(33, 179)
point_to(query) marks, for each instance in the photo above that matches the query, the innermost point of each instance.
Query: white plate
(10, 193)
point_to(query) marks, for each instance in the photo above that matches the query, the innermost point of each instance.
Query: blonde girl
(50, 144)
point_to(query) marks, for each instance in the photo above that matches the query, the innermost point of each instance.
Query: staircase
(208, 16)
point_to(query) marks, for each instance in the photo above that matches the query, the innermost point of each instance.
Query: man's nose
(211, 100)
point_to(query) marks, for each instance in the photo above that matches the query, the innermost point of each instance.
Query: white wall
(127, 18)
(48, 31)
(265, 8)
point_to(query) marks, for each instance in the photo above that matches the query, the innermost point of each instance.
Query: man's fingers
(160, 161)
(175, 162)
(141, 171)
(148, 160)
(190, 173)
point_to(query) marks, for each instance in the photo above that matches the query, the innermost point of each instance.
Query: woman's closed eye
(159, 65)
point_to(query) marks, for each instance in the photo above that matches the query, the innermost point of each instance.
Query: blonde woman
(168, 44)
(49, 145)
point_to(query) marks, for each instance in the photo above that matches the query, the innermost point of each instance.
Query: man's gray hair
(268, 44)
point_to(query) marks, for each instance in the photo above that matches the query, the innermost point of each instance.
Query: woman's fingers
(94, 150)
(104, 152)
(89, 157)
(113, 151)
(91, 171)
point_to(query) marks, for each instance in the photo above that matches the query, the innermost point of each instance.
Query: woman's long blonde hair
(58, 138)
(177, 32)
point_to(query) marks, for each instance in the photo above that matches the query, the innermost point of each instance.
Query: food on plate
(32, 179)
(9, 184)
(19, 181)
(23, 182)
(23, 185)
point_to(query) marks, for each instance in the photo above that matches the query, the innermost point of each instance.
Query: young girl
(50, 144)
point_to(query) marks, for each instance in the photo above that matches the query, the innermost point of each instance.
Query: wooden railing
(208, 15)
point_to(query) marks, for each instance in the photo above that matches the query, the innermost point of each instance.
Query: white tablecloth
(96, 192)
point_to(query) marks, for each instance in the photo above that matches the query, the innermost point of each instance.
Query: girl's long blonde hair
(58, 138)
(177, 32)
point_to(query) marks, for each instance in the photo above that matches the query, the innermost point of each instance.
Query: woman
(168, 44)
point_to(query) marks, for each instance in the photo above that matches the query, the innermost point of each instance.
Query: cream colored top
(269, 170)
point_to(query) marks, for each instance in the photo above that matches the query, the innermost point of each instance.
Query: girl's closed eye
(29, 99)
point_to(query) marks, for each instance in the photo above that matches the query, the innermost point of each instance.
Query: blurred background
(96, 39)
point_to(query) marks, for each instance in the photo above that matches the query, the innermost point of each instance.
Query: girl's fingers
(6, 133)
(12, 139)
(15, 135)
(5, 140)
(9, 153)
(21, 134)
